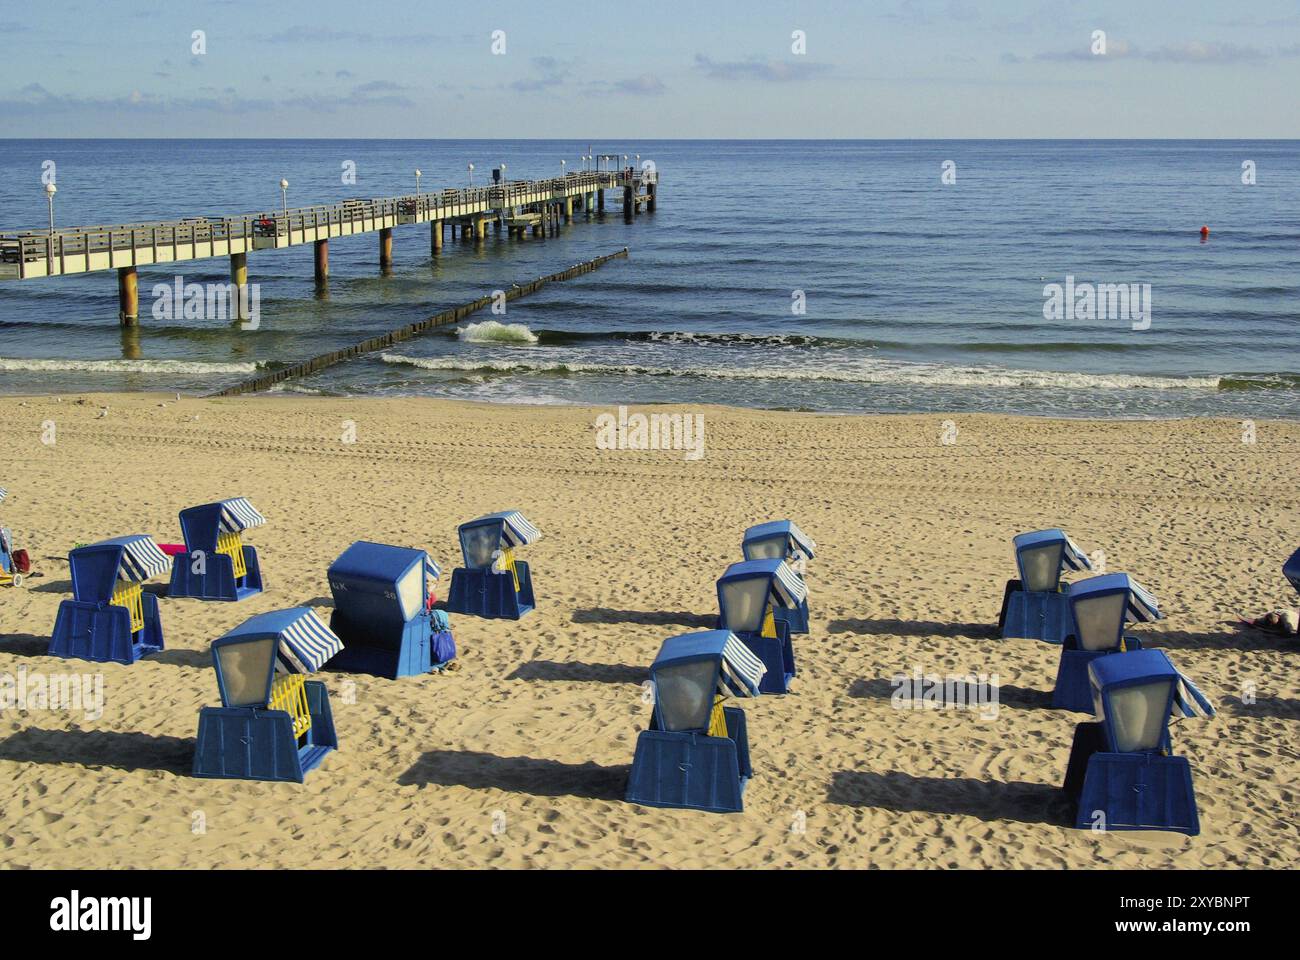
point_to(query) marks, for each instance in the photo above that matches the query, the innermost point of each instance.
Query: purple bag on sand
(444, 647)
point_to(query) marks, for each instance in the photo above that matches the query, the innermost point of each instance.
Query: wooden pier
(522, 207)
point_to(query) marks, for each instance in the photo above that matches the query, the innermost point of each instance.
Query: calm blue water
(920, 296)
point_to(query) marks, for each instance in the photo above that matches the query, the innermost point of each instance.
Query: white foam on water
(491, 331)
(170, 367)
(865, 372)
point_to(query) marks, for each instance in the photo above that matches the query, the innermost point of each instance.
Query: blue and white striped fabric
(741, 671)
(1142, 604)
(238, 514)
(789, 586)
(1074, 557)
(431, 569)
(141, 558)
(3, 493)
(519, 532)
(305, 645)
(1189, 700)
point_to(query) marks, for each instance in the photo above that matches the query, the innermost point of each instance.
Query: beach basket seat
(493, 584)
(110, 618)
(273, 723)
(216, 564)
(695, 753)
(1099, 609)
(382, 612)
(1121, 774)
(1034, 607)
(749, 595)
(1291, 570)
(782, 540)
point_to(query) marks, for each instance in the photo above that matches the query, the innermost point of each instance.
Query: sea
(838, 276)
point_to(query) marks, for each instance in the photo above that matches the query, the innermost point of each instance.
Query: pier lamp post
(562, 164)
(50, 191)
(284, 197)
(503, 171)
(471, 174)
(418, 175)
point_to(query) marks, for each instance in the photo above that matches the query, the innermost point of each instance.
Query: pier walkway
(522, 207)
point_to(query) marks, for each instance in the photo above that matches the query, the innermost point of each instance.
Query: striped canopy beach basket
(110, 617)
(273, 723)
(216, 564)
(695, 753)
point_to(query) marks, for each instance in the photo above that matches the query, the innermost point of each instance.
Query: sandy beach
(519, 758)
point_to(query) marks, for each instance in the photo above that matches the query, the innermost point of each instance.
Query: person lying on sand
(1283, 622)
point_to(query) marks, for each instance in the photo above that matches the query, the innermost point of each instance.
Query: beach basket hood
(98, 567)
(780, 539)
(201, 526)
(379, 583)
(1102, 605)
(282, 641)
(237, 515)
(1041, 557)
(692, 669)
(745, 588)
(1135, 694)
(482, 537)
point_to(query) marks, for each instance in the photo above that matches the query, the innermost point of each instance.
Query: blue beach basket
(1121, 774)
(110, 618)
(695, 753)
(381, 612)
(1034, 607)
(273, 723)
(1099, 608)
(216, 564)
(749, 595)
(782, 540)
(493, 584)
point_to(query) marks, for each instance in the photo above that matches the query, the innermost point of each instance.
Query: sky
(748, 69)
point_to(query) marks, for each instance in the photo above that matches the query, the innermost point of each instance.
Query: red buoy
(1205, 232)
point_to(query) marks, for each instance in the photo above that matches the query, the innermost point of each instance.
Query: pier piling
(385, 248)
(435, 236)
(238, 281)
(322, 262)
(128, 296)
